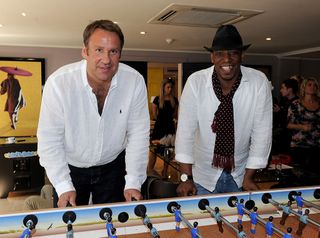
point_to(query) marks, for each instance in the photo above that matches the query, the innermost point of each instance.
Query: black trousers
(104, 182)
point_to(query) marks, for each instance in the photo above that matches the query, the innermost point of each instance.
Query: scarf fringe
(224, 162)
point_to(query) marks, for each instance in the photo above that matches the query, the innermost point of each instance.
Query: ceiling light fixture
(23, 14)
(268, 38)
(143, 32)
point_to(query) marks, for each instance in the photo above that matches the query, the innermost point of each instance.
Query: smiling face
(103, 55)
(227, 63)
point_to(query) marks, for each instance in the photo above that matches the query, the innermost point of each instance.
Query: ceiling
(293, 25)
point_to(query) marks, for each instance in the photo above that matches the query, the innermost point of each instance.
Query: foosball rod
(250, 204)
(293, 194)
(267, 198)
(205, 202)
(183, 219)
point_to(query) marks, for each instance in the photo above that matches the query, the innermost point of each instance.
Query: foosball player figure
(299, 202)
(241, 233)
(285, 212)
(177, 216)
(303, 222)
(113, 233)
(269, 227)
(217, 216)
(254, 220)
(240, 209)
(145, 219)
(30, 222)
(29, 231)
(153, 230)
(288, 234)
(109, 225)
(69, 230)
(195, 230)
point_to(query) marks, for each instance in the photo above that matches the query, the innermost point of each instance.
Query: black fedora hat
(227, 38)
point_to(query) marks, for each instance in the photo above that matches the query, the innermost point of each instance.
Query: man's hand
(248, 182)
(186, 188)
(67, 198)
(132, 194)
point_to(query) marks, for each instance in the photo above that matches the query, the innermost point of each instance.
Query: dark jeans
(104, 182)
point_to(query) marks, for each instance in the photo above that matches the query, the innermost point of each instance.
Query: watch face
(184, 177)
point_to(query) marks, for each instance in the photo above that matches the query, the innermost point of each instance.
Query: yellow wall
(155, 77)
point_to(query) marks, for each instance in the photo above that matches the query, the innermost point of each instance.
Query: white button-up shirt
(252, 106)
(71, 131)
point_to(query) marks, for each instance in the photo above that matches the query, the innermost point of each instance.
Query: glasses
(229, 53)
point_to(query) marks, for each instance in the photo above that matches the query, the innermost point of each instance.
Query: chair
(157, 188)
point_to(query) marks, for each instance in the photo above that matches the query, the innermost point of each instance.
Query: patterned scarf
(223, 126)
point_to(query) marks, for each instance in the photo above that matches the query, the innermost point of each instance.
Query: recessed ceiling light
(268, 38)
(1, 25)
(115, 22)
(143, 32)
(23, 14)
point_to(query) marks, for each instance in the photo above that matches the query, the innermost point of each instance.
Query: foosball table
(292, 212)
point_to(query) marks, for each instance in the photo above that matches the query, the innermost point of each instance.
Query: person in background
(93, 132)
(225, 121)
(164, 111)
(15, 99)
(42, 201)
(304, 122)
(289, 93)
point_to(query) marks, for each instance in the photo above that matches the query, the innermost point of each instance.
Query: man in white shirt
(225, 121)
(93, 133)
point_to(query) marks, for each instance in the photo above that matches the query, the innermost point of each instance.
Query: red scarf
(223, 126)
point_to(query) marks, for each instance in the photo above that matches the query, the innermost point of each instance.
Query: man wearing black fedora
(225, 121)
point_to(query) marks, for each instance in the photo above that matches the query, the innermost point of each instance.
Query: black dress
(164, 123)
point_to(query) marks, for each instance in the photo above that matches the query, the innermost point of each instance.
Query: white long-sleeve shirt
(71, 131)
(252, 106)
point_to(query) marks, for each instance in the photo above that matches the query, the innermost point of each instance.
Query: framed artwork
(21, 81)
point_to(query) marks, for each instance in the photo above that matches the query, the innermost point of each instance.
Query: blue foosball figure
(109, 225)
(26, 233)
(240, 210)
(254, 220)
(177, 216)
(195, 230)
(299, 202)
(30, 222)
(288, 234)
(269, 227)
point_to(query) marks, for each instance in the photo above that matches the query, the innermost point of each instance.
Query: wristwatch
(185, 177)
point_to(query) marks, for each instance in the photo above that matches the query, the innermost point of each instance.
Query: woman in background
(304, 121)
(164, 111)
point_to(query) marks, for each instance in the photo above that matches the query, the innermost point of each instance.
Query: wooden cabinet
(20, 171)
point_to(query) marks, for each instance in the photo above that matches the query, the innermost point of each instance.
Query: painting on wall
(21, 81)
